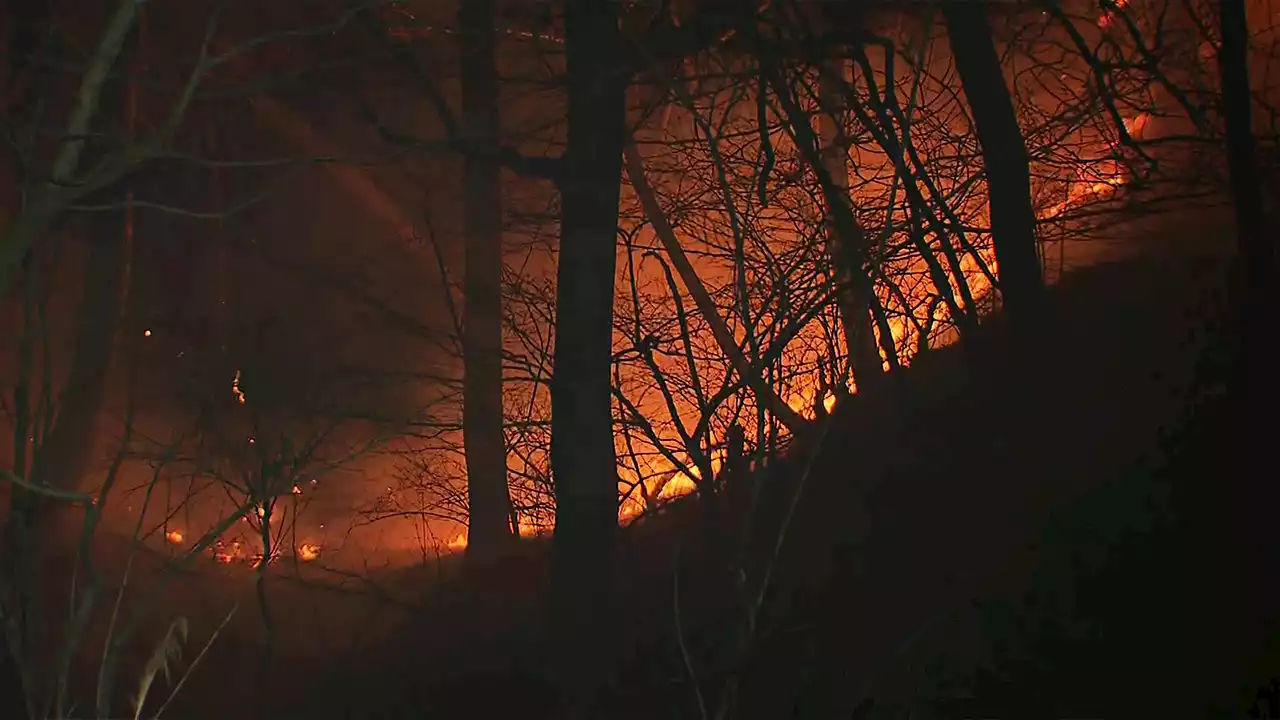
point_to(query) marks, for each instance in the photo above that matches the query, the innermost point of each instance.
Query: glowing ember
(146, 333)
(1109, 10)
(297, 490)
(308, 552)
(235, 390)
(459, 542)
(226, 553)
(174, 536)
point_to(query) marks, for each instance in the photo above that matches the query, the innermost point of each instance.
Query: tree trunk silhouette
(843, 252)
(1256, 253)
(1251, 498)
(582, 450)
(488, 497)
(1004, 157)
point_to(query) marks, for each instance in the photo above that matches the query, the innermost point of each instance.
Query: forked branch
(751, 376)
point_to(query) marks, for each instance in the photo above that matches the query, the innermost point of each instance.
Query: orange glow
(227, 553)
(1137, 124)
(1103, 177)
(174, 536)
(1109, 13)
(664, 479)
(680, 484)
(235, 390)
(308, 552)
(1097, 180)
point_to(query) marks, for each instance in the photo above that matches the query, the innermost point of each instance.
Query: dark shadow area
(966, 545)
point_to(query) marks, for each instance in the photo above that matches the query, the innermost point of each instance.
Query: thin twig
(195, 661)
(684, 648)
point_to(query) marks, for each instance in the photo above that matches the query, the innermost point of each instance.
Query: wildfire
(174, 536)
(1097, 180)
(1109, 10)
(227, 553)
(802, 402)
(458, 543)
(1104, 177)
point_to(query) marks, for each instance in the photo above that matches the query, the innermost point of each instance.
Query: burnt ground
(972, 541)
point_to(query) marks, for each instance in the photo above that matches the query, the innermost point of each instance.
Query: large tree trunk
(582, 450)
(1256, 252)
(1249, 513)
(844, 252)
(489, 499)
(1004, 157)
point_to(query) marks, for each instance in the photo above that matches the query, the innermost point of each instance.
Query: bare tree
(854, 308)
(582, 449)
(490, 522)
(1256, 253)
(86, 165)
(1004, 156)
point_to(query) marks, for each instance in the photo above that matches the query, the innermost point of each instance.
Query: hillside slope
(968, 543)
(956, 501)
(980, 487)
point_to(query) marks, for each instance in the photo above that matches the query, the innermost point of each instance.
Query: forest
(638, 358)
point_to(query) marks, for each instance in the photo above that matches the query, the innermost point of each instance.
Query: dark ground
(967, 544)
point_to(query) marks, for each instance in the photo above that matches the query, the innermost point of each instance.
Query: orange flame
(174, 536)
(235, 390)
(226, 554)
(1109, 13)
(308, 552)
